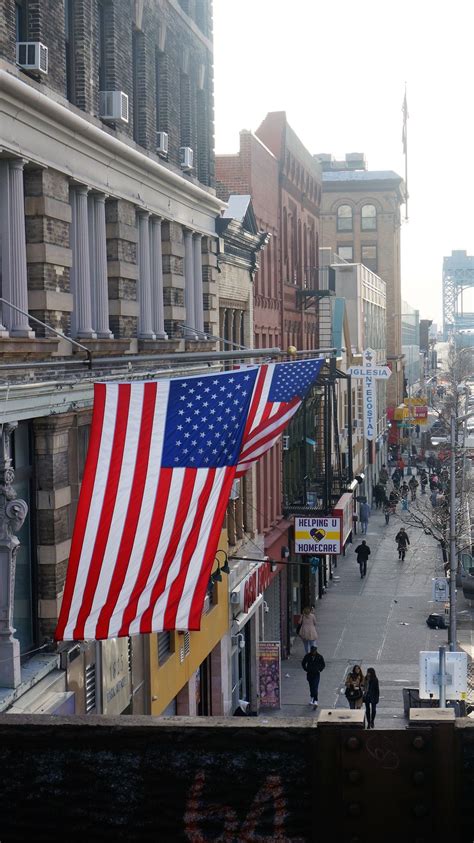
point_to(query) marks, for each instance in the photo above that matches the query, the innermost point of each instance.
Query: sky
(339, 72)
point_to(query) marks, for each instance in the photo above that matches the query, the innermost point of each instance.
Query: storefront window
(23, 615)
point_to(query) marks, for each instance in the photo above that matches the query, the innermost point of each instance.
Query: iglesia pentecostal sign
(370, 372)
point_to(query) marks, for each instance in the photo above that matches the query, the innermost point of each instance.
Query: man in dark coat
(313, 663)
(362, 553)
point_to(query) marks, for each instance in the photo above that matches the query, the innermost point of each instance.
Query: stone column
(189, 298)
(222, 317)
(99, 280)
(19, 325)
(198, 300)
(156, 261)
(81, 277)
(12, 515)
(5, 241)
(145, 330)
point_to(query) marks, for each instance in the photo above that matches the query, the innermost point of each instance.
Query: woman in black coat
(371, 696)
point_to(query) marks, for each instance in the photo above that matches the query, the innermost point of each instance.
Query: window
(138, 67)
(345, 252)
(368, 257)
(70, 49)
(344, 218)
(21, 21)
(369, 218)
(102, 47)
(164, 646)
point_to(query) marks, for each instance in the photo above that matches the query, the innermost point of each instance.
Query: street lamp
(453, 562)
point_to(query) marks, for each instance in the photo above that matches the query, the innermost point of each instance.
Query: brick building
(360, 221)
(107, 216)
(284, 181)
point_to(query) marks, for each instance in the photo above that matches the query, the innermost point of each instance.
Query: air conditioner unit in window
(186, 158)
(113, 106)
(31, 55)
(162, 143)
(286, 443)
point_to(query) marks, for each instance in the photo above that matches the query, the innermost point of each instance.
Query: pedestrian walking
(396, 477)
(413, 485)
(379, 494)
(307, 629)
(401, 466)
(402, 541)
(364, 512)
(387, 509)
(371, 696)
(355, 687)
(313, 664)
(362, 553)
(383, 476)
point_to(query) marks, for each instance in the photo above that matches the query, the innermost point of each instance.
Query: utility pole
(453, 560)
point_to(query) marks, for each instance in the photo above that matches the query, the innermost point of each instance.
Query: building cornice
(40, 129)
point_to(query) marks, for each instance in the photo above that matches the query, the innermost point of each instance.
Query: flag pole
(405, 148)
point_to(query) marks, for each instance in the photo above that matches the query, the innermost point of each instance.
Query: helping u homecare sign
(318, 535)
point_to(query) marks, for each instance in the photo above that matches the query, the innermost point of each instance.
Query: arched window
(344, 218)
(369, 218)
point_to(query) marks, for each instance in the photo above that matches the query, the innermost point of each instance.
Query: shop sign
(116, 682)
(344, 510)
(314, 536)
(269, 662)
(250, 589)
(369, 372)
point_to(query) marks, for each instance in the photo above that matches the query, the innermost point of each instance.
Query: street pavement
(378, 621)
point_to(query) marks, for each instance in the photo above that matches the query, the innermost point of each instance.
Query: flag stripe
(201, 564)
(107, 509)
(189, 477)
(192, 543)
(216, 515)
(121, 503)
(254, 406)
(262, 431)
(191, 516)
(170, 509)
(149, 553)
(84, 504)
(124, 553)
(103, 463)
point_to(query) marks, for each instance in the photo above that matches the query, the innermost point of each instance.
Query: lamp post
(453, 560)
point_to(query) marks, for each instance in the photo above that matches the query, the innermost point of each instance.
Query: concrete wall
(146, 779)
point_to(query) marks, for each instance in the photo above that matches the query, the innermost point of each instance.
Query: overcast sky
(338, 70)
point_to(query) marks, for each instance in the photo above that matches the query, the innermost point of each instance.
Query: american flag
(161, 461)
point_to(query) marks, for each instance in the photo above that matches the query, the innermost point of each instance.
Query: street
(378, 621)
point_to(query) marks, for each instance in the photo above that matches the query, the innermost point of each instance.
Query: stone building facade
(360, 221)
(107, 236)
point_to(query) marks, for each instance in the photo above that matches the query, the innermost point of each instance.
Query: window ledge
(163, 346)
(35, 347)
(102, 346)
(200, 345)
(32, 671)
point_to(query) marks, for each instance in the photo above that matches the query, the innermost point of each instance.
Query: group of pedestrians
(360, 689)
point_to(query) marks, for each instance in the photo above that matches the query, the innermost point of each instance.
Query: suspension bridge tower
(458, 279)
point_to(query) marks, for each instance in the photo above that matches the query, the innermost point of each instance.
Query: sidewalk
(378, 621)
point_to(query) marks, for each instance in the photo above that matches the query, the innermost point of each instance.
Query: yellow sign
(401, 412)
